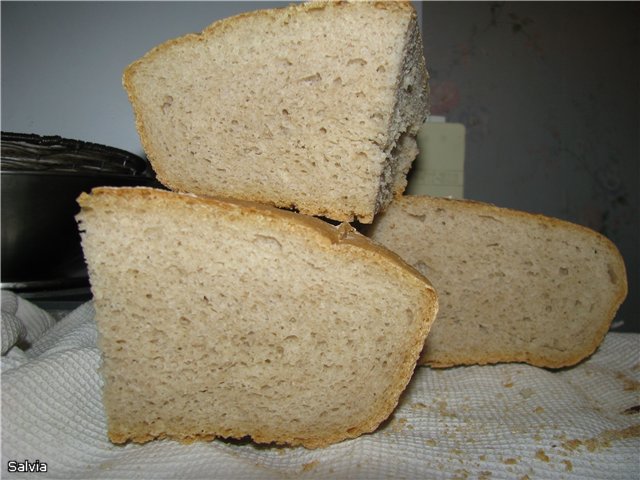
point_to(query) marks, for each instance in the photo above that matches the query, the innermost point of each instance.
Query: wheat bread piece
(314, 107)
(513, 286)
(223, 318)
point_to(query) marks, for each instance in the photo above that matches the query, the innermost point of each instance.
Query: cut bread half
(314, 107)
(221, 318)
(513, 286)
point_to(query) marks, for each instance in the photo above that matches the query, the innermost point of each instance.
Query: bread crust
(324, 232)
(218, 28)
(416, 204)
(345, 233)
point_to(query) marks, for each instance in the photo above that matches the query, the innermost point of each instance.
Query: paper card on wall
(439, 168)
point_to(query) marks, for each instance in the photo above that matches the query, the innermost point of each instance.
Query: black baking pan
(41, 178)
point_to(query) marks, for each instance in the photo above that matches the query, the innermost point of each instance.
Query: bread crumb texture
(513, 286)
(315, 106)
(603, 440)
(230, 319)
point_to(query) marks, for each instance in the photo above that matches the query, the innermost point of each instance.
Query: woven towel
(491, 422)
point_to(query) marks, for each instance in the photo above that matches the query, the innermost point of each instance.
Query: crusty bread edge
(344, 234)
(218, 27)
(399, 187)
(528, 357)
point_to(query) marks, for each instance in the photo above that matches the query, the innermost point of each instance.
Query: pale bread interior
(513, 287)
(315, 107)
(222, 318)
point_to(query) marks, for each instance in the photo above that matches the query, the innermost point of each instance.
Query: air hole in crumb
(422, 218)
(612, 274)
(267, 242)
(316, 77)
(489, 217)
(166, 105)
(357, 61)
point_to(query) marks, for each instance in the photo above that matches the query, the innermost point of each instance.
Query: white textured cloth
(22, 322)
(502, 421)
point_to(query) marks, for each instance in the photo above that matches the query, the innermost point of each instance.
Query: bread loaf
(221, 318)
(513, 286)
(315, 106)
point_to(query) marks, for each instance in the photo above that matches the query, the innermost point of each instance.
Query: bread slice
(222, 318)
(315, 106)
(513, 286)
